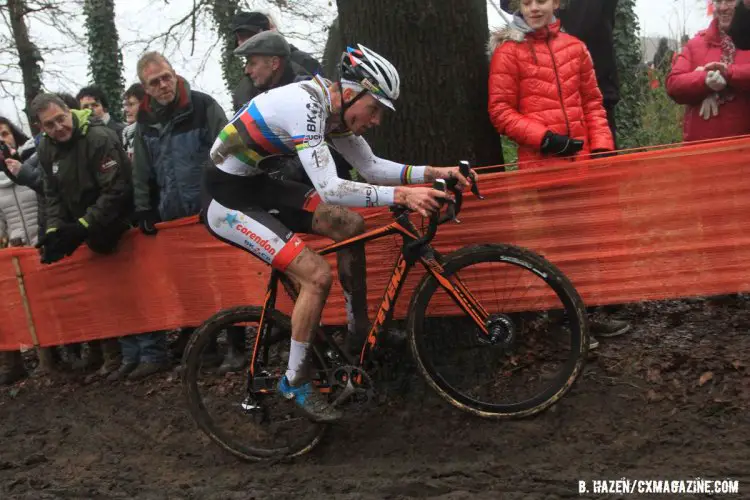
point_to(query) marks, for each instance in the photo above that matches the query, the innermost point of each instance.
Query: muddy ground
(668, 401)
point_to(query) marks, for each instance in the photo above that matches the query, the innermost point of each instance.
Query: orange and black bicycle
(495, 330)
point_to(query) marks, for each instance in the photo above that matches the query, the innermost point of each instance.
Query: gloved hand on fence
(147, 220)
(70, 236)
(710, 107)
(560, 145)
(48, 247)
(715, 81)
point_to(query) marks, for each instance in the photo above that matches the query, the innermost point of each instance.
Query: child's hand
(560, 145)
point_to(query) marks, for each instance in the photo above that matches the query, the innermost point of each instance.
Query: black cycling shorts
(259, 214)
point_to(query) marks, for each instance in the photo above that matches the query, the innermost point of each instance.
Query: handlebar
(454, 206)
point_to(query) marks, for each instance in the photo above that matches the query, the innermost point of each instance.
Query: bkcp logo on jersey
(313, 125)
(55, 168)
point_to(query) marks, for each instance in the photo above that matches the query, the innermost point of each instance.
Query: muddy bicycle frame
(414, 248)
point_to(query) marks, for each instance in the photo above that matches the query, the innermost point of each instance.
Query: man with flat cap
(268, 62)
(246, 25)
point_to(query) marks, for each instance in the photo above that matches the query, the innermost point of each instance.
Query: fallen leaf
(705, 378)
(653, 396)
(653, 375)
(737, 364)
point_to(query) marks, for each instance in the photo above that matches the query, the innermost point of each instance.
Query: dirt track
(639, 412)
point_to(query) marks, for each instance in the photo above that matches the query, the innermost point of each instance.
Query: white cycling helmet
(372, 72)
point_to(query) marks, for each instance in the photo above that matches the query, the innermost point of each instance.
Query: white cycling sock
(297, 357)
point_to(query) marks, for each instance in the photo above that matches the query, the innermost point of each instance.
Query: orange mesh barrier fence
(653, 225)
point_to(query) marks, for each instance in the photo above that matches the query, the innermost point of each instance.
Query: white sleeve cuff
(412, 175)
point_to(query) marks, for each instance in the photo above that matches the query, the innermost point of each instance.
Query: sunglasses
(165, 78)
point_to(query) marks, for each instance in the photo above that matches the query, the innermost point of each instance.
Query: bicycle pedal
(265, 384)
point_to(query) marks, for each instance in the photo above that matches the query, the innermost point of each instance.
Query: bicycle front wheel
(540, 333)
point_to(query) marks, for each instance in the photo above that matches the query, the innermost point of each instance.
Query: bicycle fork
(460, 294)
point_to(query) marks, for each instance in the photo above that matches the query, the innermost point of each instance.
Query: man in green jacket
(88, 193)
(88, 186)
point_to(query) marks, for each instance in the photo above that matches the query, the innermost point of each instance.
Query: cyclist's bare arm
(320, 168)
(359, 154)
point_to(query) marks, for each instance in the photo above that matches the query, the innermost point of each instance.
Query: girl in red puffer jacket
(543, 92)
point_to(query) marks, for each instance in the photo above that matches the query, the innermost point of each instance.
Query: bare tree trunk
(438, 46)
(28, 56)
(333, 50)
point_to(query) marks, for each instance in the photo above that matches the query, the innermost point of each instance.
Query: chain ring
(352, 387)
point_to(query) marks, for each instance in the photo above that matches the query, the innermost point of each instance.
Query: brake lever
(465, 168)
(450, 213)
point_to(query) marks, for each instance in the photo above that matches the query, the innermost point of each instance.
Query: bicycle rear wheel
(539, 318)
(252, 425)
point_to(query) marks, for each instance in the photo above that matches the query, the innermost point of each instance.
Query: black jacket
(593, 22)
(88, 177)
(116, 127)
(302, 66)
(305, 60)
(740, 29)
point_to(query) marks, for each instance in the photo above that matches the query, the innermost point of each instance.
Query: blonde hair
(152, 57)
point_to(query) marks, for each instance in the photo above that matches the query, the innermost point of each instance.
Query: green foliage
(231, 65)
(510, 150)
(105, 57)
(633, 81)
(661, 118)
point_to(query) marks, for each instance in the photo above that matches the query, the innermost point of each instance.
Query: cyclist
(260, 213)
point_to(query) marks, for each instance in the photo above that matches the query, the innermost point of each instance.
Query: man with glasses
(175, 131)
(88, 194)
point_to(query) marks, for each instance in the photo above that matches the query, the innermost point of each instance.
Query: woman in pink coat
(712, 78)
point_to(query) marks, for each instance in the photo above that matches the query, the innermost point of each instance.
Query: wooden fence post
(25, 299)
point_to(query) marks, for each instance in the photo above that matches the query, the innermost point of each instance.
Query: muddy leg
(340, 224)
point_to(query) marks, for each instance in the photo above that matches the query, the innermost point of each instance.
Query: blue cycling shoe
(313, 403)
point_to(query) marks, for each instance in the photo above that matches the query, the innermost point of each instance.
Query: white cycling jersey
(294, 120)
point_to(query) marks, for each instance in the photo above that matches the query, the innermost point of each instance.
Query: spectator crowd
(86, 178)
